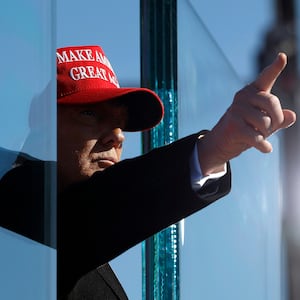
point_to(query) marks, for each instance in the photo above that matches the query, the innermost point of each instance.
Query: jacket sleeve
(28, 197)
(125, 204)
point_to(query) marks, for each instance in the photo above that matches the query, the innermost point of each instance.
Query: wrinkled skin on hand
(253, 116)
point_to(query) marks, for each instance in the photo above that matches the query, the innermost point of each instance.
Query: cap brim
(145, 109)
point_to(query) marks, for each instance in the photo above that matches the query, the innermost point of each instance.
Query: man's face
(89, 139)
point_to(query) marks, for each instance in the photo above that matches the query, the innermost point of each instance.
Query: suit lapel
(110, 278)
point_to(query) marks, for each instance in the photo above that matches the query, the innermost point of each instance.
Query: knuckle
(273, 100)
(242, 94)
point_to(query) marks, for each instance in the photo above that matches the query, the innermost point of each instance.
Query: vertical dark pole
(159, 73)
(283, 36)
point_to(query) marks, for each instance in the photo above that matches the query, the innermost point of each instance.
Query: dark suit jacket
(112, 211)
(100, 283)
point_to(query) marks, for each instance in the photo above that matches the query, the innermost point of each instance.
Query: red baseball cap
(85, 76)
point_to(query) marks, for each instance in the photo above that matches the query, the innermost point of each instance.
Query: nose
(114, 138)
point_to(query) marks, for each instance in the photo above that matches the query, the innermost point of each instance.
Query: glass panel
(114, 25)
(233, 248)
(159, 73)
(28, 123)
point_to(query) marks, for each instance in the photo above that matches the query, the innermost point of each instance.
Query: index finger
(266, 79)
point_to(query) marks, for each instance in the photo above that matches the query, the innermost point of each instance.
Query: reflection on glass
(233, 248)
(27, 109)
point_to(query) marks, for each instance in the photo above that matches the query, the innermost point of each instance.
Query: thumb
(266, 79)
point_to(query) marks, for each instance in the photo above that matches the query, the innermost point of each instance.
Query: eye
(88, 117)
(88, 113)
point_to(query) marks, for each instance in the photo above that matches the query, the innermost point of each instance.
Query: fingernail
(290, 125)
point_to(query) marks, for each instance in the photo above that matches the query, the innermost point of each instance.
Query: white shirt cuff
(197, 178)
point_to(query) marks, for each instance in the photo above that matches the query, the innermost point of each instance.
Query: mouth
(104, 162)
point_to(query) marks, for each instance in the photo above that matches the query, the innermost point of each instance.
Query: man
(98, 194)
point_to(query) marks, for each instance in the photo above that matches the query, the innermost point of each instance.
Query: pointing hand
(254, 115)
